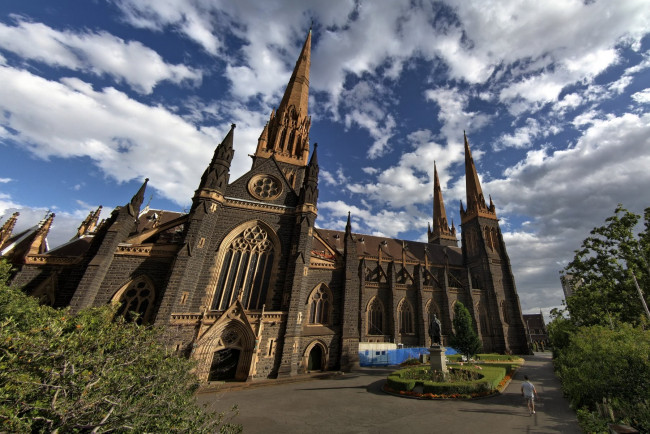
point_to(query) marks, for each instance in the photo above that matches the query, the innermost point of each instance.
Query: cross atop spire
(475, 200)
(286, 135)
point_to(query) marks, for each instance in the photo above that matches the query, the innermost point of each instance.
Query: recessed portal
(315, 362)
(224, 364)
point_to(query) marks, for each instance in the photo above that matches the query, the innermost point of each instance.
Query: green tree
(603, 272)
(61, 372)
(614, 364)
(464, 338)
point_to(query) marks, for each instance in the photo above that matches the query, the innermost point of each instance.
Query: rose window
(265, 187)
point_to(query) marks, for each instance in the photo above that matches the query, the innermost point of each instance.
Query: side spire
(286, 135)
(348, 227)
(217, 174)
(309, 190)
(441, 233)
(7, 228)
(137, 199)
(89, 224)
(38, 244)
(475, 200)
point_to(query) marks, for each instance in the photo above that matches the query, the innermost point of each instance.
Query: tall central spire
(286, 135)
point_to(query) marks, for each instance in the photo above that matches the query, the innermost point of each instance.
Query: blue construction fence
(381, 357)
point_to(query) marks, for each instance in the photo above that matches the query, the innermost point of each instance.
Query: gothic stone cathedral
(247, 285)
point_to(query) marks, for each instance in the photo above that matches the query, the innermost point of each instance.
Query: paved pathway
(354, 403)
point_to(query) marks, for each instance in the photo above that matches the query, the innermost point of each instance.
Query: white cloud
(521, 138)
(98, 53)
(70, 119)
(5, 180)
(642, 97)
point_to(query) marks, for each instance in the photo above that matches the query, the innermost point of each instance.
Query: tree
(464, 338)
(602, 363)
(604, 272)
(61, 372)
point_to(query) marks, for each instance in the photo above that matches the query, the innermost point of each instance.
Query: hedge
(492, 376)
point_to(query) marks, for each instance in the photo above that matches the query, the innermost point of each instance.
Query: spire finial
(287, 133)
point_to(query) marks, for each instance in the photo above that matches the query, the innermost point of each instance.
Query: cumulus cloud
(642, 97)
(98, 53)
(70, 119)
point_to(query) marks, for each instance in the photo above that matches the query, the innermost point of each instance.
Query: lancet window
(245, 271)
(375, 315)
(320, 306)
(405, 317)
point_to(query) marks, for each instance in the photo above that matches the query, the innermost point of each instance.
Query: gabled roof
(391, 248)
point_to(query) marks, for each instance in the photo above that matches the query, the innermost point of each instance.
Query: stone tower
(500, 322)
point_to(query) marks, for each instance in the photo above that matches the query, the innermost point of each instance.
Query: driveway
(355, 403)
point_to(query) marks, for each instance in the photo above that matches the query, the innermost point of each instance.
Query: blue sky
(554, 96)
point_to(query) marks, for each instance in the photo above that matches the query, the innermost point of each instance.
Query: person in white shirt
(529, 393)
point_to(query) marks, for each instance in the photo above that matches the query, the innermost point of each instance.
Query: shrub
(615, 364)
(487, 379)
(410, 362)
(61, 372)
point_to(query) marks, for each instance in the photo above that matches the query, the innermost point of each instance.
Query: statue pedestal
(437, 358)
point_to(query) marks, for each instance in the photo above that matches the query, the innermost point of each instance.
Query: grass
(488, 379)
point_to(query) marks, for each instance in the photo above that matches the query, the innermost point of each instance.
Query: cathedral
(247, 285)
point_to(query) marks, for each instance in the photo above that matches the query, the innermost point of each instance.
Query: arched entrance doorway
(315, 361)
(224, 364)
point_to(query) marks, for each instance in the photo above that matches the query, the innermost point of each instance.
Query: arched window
(488, 238)
(375, 315)
(405, 317)
(320, 306)
(245, 270)
(432, 310)
(137, 297)
(495, 239)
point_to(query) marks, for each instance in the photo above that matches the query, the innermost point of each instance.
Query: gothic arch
(375, 317)
(245, 267)
(137, 295)
(321, 352)
(405, 317)
(319, 305)
(232, 330)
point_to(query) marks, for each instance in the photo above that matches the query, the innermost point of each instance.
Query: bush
(614, 364)
(72, 373)
(410, 362)
(491, 376)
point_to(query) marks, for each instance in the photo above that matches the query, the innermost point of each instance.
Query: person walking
(529, 392)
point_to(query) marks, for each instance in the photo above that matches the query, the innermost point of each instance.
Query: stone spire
(309, 189)
(476, 205)
(441, 233)
(38, 244)
(7, 228)
(286, 135)
(137, 199)
(217, 174)
(89, 224)
(348, 227)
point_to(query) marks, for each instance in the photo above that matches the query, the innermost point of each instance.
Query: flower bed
(464, 382)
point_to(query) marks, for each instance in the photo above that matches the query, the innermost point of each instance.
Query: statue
(435, 331)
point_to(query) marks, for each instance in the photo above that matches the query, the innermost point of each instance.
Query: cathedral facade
(249, 287)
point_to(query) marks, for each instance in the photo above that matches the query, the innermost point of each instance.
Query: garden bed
(465, 381)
